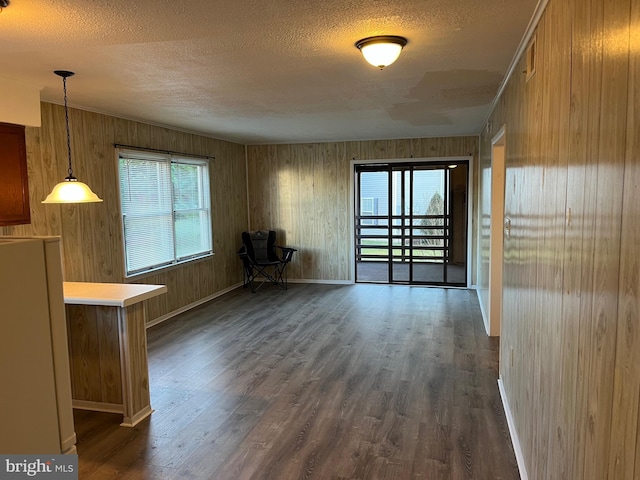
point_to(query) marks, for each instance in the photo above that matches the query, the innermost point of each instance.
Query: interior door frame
(470, 197)
(496, 249)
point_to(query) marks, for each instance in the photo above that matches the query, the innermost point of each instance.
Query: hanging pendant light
(70, 190)
(381, 51)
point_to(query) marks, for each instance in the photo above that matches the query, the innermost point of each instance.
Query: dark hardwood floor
(316, 382)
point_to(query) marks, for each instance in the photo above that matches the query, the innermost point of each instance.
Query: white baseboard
(97, 406)
(137, 418)
(180, 310)
(515, 441)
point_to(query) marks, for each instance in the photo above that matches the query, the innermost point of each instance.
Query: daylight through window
(166, 209)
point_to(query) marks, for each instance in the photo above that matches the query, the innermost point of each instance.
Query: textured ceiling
(269, 71)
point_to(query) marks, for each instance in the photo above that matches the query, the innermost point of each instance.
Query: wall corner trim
(515, 441)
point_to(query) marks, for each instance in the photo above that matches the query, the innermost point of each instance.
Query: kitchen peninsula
(108, 347)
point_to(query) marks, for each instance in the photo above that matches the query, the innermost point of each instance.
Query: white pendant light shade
(381, 51)
(71, 191)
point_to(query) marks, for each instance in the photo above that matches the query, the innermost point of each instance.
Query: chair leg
(281, 275)
(277, 276)
(247, 277)
(262, 271)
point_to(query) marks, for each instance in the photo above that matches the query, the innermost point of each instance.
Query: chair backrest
(260, 245)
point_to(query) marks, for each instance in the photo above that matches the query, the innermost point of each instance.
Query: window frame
(374, 212)
(204, 189)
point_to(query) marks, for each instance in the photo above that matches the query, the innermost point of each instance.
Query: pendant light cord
(70, 190)
(66, 119)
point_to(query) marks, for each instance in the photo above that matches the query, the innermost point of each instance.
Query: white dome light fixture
(70, 190)
(381, 51)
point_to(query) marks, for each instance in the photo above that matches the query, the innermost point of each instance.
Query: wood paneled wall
(570, 343)
(92, 233)
(302, 190)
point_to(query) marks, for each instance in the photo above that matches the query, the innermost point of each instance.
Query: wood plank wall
(302, 191)
(92, 233)
(570, 343)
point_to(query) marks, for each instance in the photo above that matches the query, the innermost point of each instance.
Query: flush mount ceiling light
(70, 190)
(382, 50)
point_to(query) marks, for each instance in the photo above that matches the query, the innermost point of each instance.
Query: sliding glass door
(411, 223)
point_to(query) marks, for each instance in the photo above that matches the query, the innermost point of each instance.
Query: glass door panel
(372, 227)
(411, 223)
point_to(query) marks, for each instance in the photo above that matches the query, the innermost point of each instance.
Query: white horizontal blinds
(145, 192)
(192, 209)
(166, 209)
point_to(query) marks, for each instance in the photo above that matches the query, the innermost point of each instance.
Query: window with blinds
(166, 209)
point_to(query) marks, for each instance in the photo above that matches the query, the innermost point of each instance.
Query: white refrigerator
(36, 416)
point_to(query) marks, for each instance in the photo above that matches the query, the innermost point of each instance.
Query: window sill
(155, 271)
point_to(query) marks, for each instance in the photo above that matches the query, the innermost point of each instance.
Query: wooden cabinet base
(106, 326)
(114, 408)
(108, 354)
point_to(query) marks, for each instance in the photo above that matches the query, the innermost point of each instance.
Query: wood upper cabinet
(14, 186)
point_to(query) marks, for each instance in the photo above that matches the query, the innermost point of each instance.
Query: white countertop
(109, 294)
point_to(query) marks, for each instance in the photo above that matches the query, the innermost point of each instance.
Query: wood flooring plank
(315, 382)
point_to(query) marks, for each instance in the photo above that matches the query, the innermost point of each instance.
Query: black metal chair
(260, 259)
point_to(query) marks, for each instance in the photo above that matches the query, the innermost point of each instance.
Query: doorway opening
(410, 222)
